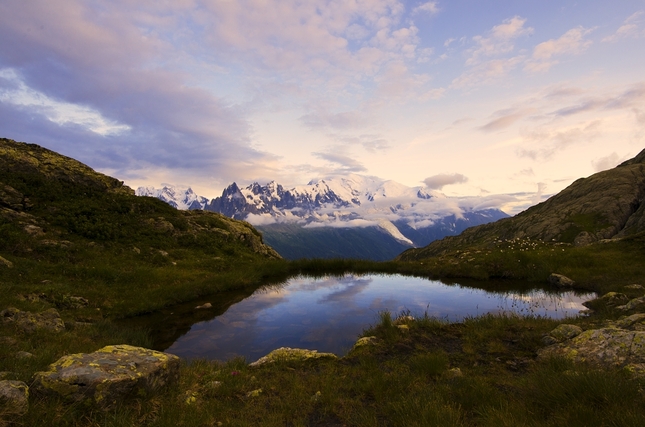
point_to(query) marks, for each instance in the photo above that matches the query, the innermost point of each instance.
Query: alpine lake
(328, 314)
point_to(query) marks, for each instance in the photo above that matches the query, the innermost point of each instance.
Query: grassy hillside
(608, 204)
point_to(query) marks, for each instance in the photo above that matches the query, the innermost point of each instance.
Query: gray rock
(608, 347)
(561, 281)
(29, 322)
(365, 341)
(565, 331)
(292, 355)
(549, 340)
(109, 375)
(634, 322)
(634, 304)
(14, 397)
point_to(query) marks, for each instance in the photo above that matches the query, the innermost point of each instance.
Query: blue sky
(471, 97)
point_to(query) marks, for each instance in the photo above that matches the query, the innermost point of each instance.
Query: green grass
(404, 380)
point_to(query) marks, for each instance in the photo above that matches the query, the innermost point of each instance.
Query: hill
(606, 205)
(67, 229)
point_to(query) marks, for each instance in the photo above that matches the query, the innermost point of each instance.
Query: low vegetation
(80, 242)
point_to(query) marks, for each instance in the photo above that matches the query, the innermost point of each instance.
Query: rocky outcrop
(620, 344)
(14, 398)
(108, 376)
(561, 333)
(286, 354)
(560, 281)
(29, 322)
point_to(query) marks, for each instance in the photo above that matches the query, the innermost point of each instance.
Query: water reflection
(328, 314)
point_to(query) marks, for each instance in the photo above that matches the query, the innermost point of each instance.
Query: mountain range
(342, 216)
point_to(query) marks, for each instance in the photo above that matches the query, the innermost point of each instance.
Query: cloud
(505, 121)
(499, 40)
(428, 7)
(437, 182)
(553, 140)
(370, 142)
(322, 120)
(630, 98)
(630, 28)
(570, 43)
(487, 72)
(347, 164)
(607, 162)
(564, 92)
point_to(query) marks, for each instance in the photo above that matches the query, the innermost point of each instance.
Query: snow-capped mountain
(183, 198)
(411, 216)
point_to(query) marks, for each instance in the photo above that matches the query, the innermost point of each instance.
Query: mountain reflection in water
(329, 314)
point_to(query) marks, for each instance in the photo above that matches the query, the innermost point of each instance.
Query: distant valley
(350, 216)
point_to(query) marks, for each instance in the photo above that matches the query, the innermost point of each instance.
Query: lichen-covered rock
(608, 347)
(635, 322)
(29, 322)
(292, 355)
(561, 281)
(14, 397)
(633, 304)
(365, 341)
(108, 375)
(565, 331)
(610, 300)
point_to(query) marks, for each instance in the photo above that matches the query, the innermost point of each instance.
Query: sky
(470, 97)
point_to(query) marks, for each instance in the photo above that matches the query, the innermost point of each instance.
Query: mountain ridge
(410, 216)
(606, 205)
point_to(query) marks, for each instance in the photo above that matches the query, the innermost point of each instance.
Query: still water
(329, 314)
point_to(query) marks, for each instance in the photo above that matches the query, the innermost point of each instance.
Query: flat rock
(29, 321)
(109, 375)
(607, 347)
(565, 331)
(14, 398)
(292, 355)
(561, 281)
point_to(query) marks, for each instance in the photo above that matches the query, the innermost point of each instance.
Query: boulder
(634, 304)
(561, 281)
(565, 331)
(29, 322)
(609, 300)
(109, 375)
(14, 397)
(365, 341)
(292, 355)
(607, 347)
(635, 322)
